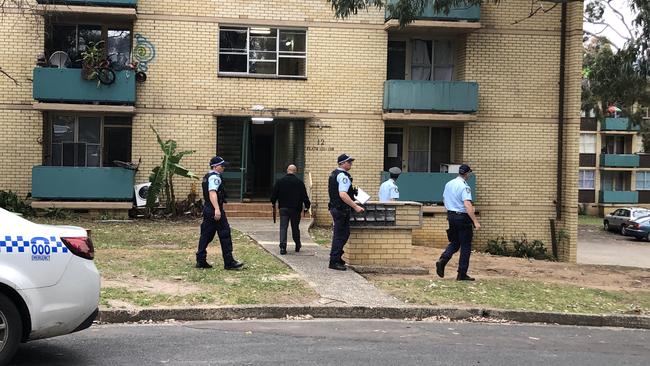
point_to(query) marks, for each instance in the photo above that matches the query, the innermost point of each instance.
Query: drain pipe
(560, 123)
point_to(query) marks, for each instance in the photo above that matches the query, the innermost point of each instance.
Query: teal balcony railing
(618, 124)
(67, 85)
(120, 3)
(423, 187)
(438, 96)
(470, 13)
(619, 160)
(619, 197)
(81, 183)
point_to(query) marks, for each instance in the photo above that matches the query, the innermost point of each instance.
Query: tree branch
(540, 7)
(622, 19)
(9, 76)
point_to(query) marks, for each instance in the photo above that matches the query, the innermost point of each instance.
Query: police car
(49, 284)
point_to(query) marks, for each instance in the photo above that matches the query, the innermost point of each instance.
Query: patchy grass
(147, 258)
(321, 235)
(518, 295)
(590, 220)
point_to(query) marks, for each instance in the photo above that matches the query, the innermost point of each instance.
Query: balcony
(424, 187)
(116, 3)
(67, 85)
(619, 197)
(431, 96)
(460, 13)
(618, 124)
(619, 160)
(81, 183)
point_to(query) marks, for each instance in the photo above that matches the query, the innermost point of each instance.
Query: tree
(162, 176)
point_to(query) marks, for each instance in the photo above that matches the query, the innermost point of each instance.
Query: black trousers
(287, 215)
(210, 227)
(460, 234)
(341, 232)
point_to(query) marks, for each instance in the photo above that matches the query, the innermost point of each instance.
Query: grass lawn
(151, 263)
(517, 295)
(590, 220)
(321, 235)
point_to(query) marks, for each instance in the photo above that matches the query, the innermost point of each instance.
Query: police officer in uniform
(341, 194)
(388, 190)
(460, 214)
(214, 217)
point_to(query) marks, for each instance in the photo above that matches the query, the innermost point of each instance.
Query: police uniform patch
(468, 190)
(345, 180)
(395, 190)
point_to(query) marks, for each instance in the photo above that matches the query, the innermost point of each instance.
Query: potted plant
(90, 59)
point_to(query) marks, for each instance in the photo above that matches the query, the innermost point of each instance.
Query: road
(596, 246)
(340, 342)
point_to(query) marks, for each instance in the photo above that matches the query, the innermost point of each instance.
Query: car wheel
(11, 328)
(606, 225)
(622, 229)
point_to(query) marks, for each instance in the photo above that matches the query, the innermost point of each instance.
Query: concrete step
(248, 207)
(252, 214)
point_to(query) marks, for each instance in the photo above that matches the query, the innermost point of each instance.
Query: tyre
(11, 328)
(106, 76)
(606, 225)
(623, 230)
(647, 237)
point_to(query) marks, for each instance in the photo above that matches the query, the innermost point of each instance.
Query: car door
(613, 218)
(624, 217)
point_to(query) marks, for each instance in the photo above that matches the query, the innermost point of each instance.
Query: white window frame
(585, 144)
(582, 179)
(645, 186)
(278, 54)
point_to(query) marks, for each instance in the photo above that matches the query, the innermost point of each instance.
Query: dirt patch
(485, 266)
(176, 288)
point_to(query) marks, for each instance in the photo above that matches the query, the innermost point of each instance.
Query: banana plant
(161, 177)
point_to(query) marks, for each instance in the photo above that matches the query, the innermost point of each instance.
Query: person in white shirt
(388, 190)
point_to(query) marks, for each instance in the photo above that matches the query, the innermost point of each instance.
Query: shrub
(497, 246)
(521, 248)
(11, 202)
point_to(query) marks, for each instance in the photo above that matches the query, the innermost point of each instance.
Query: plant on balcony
(161, 177)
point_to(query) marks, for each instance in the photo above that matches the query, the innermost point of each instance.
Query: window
(587, 143)
(432, 60)
(73, 39)
(263, 51)
(586, 179)
(643, 181)
(428, 147)
(89, 141)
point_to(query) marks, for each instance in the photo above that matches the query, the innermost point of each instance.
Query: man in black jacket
(291, 194)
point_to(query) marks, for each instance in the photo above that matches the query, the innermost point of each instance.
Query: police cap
(464, 169)
(343, 158)
(395, 170)
(217, 161)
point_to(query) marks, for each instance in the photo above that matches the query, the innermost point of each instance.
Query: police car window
(625, 213)
(640, 213)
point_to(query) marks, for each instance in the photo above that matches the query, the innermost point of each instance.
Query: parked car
(49, 284)
(620, 218)
(639, 228)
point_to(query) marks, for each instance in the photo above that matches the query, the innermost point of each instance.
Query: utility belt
(342, 207)
(457, 213)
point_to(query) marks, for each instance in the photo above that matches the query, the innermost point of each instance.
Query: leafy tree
(162, 176)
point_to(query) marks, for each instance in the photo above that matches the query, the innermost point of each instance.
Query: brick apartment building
(286, 82)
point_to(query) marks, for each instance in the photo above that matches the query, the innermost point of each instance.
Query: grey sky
(614, 21)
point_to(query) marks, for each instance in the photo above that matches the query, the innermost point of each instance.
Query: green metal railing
(467, 13)
(441, 96)
(67, 85)
(618, 124)
(619, 197)
(81, 183)
(619, 160)
(423, 187)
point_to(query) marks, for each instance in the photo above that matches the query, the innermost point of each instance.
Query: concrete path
(596, 246)
(334, 287)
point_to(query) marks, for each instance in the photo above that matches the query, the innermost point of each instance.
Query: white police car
(49, 284)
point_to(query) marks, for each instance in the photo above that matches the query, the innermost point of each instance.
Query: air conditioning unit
(141, 193)
(449, 168)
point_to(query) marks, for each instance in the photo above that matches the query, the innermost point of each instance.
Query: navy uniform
(209, 227)
(388, 190)
(339, 181)
(460, 231)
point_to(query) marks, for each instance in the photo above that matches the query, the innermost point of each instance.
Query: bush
(521, 248)
(498, 246)
(11, 202)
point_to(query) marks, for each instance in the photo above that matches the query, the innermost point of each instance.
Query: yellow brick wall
(379, 247)
(433, 232)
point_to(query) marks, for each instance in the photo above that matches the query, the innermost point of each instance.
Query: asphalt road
(341, 342)
(596, 246)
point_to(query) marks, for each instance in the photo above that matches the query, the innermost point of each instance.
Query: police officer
(341, 203)
(388, 190)
(460, 214)
(214, 217)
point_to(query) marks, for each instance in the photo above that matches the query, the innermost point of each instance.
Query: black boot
(283, 250)
(234, 265)
(337, 266)
(298, 246)
(440, 268)
(203, 265)
(464, 277)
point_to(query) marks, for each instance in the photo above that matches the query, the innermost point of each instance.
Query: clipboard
(362, 196)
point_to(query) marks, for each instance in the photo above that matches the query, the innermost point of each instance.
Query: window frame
(646, 181)
(582, 179)
(277, 52)
(583, 144)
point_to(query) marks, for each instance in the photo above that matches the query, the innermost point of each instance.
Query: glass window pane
(263, 43)
(68, 154)
(232, 63)
(63, 38)
(63, 129)
(293, 41)
(232, 39)
(418, 161)
(80, 152)
(89, 130)
(443, 73)
(292, 66)
(443, 54)
(92, 155)
(57, 152)
(88, 35)
(419, 138)
(257, 67)
(117, 121)
(118, 48)
(259, 55)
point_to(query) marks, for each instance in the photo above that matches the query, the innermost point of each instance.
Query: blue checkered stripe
(20, 245)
